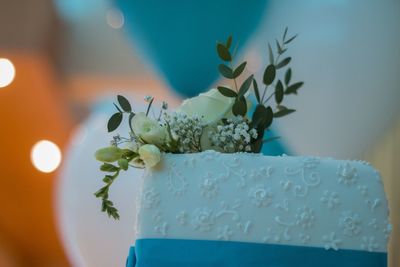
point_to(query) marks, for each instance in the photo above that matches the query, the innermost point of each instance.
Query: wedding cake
(209, 198)
(305, 208)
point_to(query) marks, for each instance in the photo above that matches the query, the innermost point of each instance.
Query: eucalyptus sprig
(239, 106)
(264, 113)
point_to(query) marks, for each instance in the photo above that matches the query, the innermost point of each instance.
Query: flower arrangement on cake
(208, 193)
(220, 119)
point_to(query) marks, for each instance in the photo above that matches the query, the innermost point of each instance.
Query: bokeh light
(7, 72)
(46, 156)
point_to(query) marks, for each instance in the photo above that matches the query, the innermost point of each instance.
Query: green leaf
(283, 112)
(123, 163)
(271, 54)
(256, 146)
(112, 212)
(108, 154)
(268, 118)
(284, 34)
(262, 117)
(283, 63)
(124, 103)
(107, 167)
(223, 52)
(288, 76)
(269, 74)
(226, 71)
(130, 121)
(108, 206)
(245, 86)
(291, 39)
(279, 48)
(101, 192)
(229, 42)
(256, 91)
(108, 179)
(258, 115)
(227, 92)
(239, 107)
(239, 70)
(279, 92)
(292, 89)
(114, 121)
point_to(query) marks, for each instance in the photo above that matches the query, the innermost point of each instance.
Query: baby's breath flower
(234, 135)
(186, 131)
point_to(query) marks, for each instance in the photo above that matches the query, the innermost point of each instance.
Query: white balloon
(91, 238)
(347, 52)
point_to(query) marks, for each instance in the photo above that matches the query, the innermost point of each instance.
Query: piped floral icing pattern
(347, 174)
(261, 196)
(253, 198)
(150, 198)
(350, 223)
(305, 217)
(203, 219)
(209, 186)
(330, 199)
(331, 241)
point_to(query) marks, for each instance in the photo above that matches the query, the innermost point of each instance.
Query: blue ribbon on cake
(183, 253)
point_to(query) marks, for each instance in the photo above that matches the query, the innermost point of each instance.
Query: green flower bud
(108, 154)
(123, 163)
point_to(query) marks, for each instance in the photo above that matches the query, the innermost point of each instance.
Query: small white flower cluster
(233, 136)
(185, 130)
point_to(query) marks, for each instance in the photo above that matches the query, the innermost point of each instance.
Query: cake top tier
(305, 201)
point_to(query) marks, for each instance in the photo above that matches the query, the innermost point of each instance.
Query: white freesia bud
(210, 106)
(147, 129)
(150, 155)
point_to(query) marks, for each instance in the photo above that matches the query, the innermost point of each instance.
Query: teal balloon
(178, 38)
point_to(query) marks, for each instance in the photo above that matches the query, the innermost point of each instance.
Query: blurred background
(63, 61)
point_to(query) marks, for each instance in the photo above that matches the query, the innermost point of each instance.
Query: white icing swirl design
(305, 201)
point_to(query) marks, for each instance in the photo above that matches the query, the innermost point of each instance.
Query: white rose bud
(150, 155)
(147, 129)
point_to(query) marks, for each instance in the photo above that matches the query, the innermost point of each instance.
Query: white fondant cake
(305, 201)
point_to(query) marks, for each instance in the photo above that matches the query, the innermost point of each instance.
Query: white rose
(150, 155)
(211, 106)
(147, 129)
